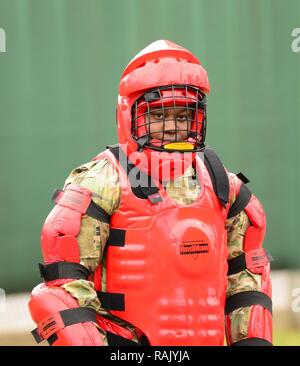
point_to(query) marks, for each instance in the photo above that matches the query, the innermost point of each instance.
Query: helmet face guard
(171, 118)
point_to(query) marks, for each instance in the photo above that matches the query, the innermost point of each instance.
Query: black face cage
(141, 108)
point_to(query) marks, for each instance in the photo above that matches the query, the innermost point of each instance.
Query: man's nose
(170, 125)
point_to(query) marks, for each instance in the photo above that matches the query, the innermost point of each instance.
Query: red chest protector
(166, 263)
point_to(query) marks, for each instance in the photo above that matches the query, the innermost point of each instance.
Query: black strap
(112, 340)
(58, 270)
(78, 315)
(116, 237)
(36, 335)
(241, 201)
(147, 189)
(217, 174)
(252, 342)
(98, 213)
(238, 264)
(69, 317)
(93, 210)
(242, 177)
(116, 340)
(112, 301)
(52, 339)
(247, 298)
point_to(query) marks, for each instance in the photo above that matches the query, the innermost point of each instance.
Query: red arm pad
(46, 302)
(58, 237)
(260, 322)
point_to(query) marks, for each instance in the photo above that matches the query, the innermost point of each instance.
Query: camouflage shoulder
(89, 169)
(102, 179)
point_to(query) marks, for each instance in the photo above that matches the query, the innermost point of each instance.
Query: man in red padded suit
(154, 242)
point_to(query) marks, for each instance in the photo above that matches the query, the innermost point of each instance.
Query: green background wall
(58, 87)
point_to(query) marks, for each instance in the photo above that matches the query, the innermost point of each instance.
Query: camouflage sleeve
(242, 281)
(101, 178)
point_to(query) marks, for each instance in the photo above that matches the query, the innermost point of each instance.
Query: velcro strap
(249, 260)
(116, 340)
(111, 301)
(252, 342)
(116, 237)
(98, 213)
(59, 270)
(241, 201)
(247, 298)
(92, 210)
(62, 319)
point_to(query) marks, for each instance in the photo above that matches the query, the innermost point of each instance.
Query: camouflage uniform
(101, 178)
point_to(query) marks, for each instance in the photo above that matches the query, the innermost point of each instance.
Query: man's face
(165, 122)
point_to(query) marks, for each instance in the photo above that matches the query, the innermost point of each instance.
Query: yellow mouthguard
(179, 146)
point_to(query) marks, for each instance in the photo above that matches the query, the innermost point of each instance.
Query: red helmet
(168, 78)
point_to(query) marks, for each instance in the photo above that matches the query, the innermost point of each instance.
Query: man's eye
(158, 115)
(182, 118)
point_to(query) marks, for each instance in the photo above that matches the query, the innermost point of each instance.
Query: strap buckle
(155, 198)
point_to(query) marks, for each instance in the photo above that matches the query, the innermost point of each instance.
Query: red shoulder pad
(255, 234)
